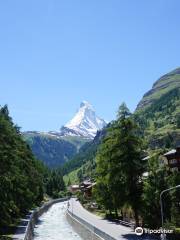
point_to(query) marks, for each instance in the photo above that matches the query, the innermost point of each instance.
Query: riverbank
(26, 227)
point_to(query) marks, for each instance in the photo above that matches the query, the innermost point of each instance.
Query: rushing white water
(53, 225)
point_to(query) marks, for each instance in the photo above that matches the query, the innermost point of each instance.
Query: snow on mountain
(85, 123)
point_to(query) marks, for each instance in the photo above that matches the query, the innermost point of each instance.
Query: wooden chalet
(86, 187)
(173, 159)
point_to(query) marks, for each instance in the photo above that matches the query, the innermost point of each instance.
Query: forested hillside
(21, 175)
(86, 154)
(129, 185)
(158, 113)
(53, 151)
(158, 117)
(23, 179)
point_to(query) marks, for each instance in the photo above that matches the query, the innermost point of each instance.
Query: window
(173, 161)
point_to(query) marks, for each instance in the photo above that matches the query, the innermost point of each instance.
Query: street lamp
(166, 190)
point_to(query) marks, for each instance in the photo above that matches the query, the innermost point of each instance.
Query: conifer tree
(119, 163)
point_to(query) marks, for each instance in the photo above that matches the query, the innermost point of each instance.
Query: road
(115, 230)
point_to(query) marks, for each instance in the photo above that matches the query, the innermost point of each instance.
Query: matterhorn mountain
(55, 148)
(85, 123)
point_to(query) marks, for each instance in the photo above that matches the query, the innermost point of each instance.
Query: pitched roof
(170, 152)
(146, 158)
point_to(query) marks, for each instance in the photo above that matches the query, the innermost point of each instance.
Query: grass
(72, 176)
(173, 83)
(177, 230)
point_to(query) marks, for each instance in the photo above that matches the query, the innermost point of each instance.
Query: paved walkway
(21, 229)
(115, 230)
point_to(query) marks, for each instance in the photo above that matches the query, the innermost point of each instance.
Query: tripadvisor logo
(139, 231)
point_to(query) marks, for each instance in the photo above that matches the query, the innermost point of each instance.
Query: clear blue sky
(54, 54)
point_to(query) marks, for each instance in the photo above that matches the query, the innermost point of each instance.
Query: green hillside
(160, 123)
(158, 117)
(161, 87)
(83, 164)
(51, 150)
(158, 113)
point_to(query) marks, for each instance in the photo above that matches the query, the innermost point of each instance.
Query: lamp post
(166, 190)
(162, 213)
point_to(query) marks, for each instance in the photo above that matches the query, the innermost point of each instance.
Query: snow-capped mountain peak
(86, 105)
(85, 123)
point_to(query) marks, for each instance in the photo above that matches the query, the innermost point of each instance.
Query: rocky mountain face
(55, 148)
(158, 113)
(85, 123)
(161, 87)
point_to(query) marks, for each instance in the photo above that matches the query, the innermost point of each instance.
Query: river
(52, 225)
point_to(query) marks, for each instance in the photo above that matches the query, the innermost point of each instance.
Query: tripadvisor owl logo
(139, 231)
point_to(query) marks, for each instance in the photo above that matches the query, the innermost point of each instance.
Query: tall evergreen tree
(119, 162)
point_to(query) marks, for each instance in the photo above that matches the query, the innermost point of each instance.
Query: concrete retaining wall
(85, 229)
(34, 215)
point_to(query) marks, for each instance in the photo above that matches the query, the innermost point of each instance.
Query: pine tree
(55, 183)
(119, 163)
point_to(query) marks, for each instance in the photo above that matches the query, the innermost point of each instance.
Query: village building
(74, 188)
(173, 159)
(86, 187)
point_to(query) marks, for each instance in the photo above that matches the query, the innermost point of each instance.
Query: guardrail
(91, 227)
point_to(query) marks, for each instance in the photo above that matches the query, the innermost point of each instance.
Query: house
(173, 159)
(88, 190)
(85, 184)
(74, 188)
(86, 187)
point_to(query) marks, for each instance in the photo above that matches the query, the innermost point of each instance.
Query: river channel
(53, 225)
